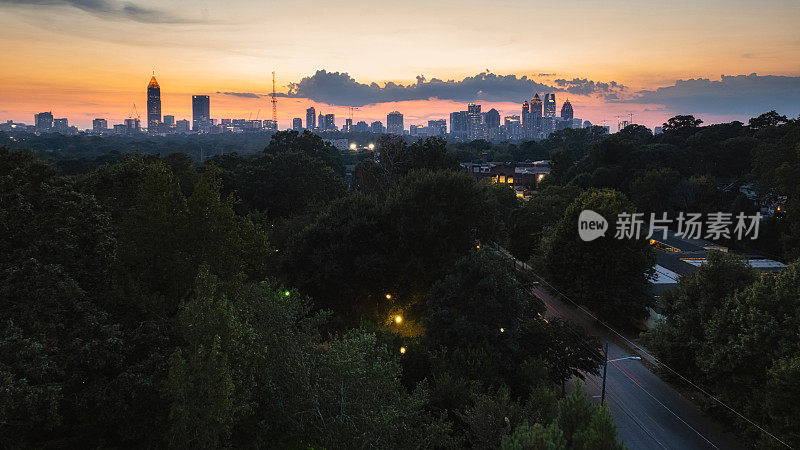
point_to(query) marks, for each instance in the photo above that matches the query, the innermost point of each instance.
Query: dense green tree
(770, 119)
(683, 125)
(609, 275)
(527, 223)
(311, 144)
(689, 308)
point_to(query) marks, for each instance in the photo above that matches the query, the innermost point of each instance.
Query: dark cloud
(108, 9)
(746, 95)
(583, 86)
(241, 94)
(340, 89)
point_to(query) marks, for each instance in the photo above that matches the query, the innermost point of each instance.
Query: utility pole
(605, 365)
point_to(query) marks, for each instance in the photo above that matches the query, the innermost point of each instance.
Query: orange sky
(93, 59)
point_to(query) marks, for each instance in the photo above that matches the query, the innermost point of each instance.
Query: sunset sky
(93, 58)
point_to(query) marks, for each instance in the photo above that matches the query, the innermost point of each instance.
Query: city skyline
(91, 58)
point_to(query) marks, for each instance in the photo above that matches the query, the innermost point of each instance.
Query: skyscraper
(536, 105)
(168, 123)
(394, 123)
(153, 105)
(99, 125)
(297, 124)
(534, 131)
(330, 122)
(201, 113)
(491, 121)
(566, 111)
(475, 126)
(458, 124)
(437, 127)
(526, 115)
(60, 125)
(549, 105)
(311, 118)
(321, 122)
(44, 121)
(376, 127)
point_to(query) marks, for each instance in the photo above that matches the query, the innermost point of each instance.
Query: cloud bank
(747, 95)
(108, 9)
(337, 88)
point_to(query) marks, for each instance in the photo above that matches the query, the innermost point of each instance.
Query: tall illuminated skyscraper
(311, 118)
(549, 105)
(566, 111)
(153, 105)
(394, 123)
(536, 105)
(201, 113)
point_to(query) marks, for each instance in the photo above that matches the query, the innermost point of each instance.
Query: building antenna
(274, 103)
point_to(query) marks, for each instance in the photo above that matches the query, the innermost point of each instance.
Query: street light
(398, 319)
(605, 365)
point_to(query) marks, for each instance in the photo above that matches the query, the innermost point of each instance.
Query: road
(648, 412)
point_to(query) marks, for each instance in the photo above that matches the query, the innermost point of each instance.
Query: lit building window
(510, 180)
(502, 178)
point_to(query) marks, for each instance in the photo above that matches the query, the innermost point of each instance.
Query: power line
(639, 348)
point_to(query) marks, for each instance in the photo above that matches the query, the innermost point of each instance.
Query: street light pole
(605, 366)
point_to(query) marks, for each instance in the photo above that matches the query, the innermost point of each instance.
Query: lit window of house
(502, 178)
(510, 180)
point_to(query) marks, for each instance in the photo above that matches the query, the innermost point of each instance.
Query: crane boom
(274, 103)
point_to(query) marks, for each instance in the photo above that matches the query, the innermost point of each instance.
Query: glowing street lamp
(388, 296)
(402, 350)
(398, 319)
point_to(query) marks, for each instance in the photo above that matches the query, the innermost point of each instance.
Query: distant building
(330, 122)
(577, 123)
(622, 124)
(361, 127)
(394, 123)
(169, 121)
(348, 125)
(43, 121)
(458, 124)
(182, 126)
(321, 122)
(513, 126)
(523, 177)
(376, 127)
(153, 106)
(201, 113)
(132, 126)
(549, 105)
(99, 125)
(587, 124)
(475, 125)
(60, 125)
(297, 124)
(491, 121)
(566, 111)
(437, 127)
(526, 114)
(311, 116)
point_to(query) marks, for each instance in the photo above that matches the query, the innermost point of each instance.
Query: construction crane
(133, 112)
(274, 103)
